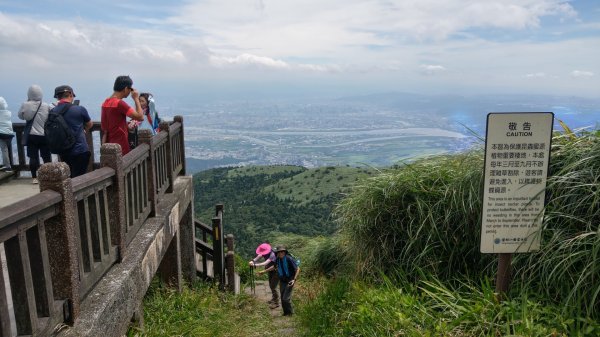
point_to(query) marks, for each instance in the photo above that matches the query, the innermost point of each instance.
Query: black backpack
(58, 133)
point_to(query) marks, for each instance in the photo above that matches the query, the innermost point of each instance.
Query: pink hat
(263, 249)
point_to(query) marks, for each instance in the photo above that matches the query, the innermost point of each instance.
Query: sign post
(517, 154)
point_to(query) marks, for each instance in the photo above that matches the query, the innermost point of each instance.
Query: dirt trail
(286, 324)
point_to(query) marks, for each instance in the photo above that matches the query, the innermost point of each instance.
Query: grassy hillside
(262, 202)
(413, 233)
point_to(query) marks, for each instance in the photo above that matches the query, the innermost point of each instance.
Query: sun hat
(263, 249)
(280, 249)
(63, 88)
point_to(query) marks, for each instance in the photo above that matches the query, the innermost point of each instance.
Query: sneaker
(35, 181)
(274, 305)
(6, 169)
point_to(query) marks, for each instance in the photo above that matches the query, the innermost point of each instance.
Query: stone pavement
(286, 324)
(16, 189)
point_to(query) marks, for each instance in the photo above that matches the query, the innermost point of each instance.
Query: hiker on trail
(35, 114)
(6, 135)
(288, 271)
(79, 121)
(115, 112)
(264, 250)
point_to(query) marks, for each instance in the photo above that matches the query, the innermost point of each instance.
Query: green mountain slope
(262, 202)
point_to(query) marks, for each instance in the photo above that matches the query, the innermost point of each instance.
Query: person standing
(78, 119)
(288, 271)
(151, 120)
(115, 112)
(35, 113)
(6, 135)
(265, 252)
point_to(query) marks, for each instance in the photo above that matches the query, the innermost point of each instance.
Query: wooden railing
(93, 136)
(211, 252)
(56, 245)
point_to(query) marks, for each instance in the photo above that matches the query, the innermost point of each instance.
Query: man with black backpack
(65, 131)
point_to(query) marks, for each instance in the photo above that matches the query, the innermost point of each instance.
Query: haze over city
(247, 73)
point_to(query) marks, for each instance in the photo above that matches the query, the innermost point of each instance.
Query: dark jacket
(286, 268)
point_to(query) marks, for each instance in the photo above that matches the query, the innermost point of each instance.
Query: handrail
(223, 266)
(13, 213)
(22, 163)
(59, 243)
(24, 238)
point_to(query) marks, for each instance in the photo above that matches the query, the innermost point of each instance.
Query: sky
(200, 49)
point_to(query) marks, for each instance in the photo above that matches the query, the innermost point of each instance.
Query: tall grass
(202, 310)
(423, 216)
(567, 268)
(431, 308)
(424, 219)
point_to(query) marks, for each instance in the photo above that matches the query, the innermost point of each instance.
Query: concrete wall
(164, 243)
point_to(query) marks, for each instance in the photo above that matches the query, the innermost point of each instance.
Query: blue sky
(232, 48)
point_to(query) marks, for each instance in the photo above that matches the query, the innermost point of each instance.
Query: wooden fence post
(62, 239)
(230, 263)
(110, 156)
(218, 251)
(145, 137)
(164, 126)
(181, 144)
(504, 275)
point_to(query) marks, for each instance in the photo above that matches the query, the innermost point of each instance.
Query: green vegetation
(200, 311)
(431, 308)
(413, 236)
(400, 255)
(263, 201)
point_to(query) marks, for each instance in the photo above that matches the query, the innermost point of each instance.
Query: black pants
(286, 298)
(273, 281)
(36, 146)
(77, 163)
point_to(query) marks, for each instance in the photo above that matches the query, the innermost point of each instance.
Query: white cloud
(248, 60)
(302, 28)
(581, 74)
(354, 42)
(536, 75)
(431, 69)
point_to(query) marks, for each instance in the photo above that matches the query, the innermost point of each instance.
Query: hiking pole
(252, 285)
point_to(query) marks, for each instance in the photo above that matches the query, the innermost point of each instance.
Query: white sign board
(517, 153)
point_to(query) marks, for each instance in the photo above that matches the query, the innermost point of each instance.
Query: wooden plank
(145, 180)
(105, 226)
(96, 226)
(88, 230)
(4, 311)
(28, 221)
(25, 263)
(26, 207)
(46, 267)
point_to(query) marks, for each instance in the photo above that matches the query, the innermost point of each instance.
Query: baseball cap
(63, 88)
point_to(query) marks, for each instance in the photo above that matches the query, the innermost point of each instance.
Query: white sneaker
(34, 181)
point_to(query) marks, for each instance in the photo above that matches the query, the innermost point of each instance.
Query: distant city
(374, 130)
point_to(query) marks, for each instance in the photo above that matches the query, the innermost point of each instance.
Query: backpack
(58, 133)
(296, 259)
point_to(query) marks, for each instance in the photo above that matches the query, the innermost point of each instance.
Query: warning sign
(517, 154)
